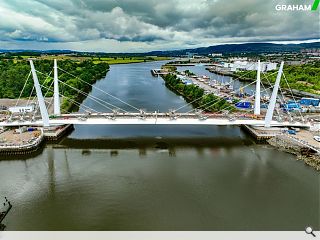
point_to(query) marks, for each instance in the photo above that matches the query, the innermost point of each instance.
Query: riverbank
(293, 145)
(302, 145)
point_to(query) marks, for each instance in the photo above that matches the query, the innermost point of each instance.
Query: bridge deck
(159, 119)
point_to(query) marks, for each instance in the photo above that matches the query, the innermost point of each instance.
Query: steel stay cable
(77, 103)
(231, 92)
(49, 103)
(281, 100)
(24, 85)
(48, 76)
(100, 90)
(241, 100)
(96, 99)
(292, 95)
(202, 96)
(241, 87)
(220, 98)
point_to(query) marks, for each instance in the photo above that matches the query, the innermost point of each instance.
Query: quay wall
(261, 137)
(59, 133)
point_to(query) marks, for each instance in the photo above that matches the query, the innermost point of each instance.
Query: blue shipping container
(292, 106)
(243, 105)
(309, 101)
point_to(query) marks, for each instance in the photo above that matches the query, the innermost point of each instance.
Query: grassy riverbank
(13, 76)
(195, 94)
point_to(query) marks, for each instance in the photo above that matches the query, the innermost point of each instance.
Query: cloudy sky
(144, 25)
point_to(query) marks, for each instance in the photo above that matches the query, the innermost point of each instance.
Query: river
(157, 177)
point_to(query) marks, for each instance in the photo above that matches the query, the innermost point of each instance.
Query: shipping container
(291, 106)
(243, 105)
(310, 101)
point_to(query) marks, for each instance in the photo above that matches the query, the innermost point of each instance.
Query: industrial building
(21, 109)
(246, 65)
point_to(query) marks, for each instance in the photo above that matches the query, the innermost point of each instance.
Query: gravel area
(9, 137)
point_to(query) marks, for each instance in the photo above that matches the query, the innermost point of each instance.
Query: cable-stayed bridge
(115, 115)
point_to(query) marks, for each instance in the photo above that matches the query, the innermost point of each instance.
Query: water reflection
(142, 152)
(66, 161)
(51, 171)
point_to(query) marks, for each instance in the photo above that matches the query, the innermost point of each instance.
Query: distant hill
(241, 48)
(37, 51)
(224, 48)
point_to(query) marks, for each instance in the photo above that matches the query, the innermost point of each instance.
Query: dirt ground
(9, 137)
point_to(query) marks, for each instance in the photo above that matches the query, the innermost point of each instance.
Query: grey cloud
(170, 22)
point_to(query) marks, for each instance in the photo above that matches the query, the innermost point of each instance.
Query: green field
(95, 59)
(125, 60)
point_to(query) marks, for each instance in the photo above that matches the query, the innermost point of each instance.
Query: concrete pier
(262, 134)
(54, 133)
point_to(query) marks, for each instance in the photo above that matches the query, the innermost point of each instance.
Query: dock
(55, 133)
(262, 134)
(158, 72)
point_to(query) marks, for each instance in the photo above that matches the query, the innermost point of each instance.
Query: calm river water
(157, 177)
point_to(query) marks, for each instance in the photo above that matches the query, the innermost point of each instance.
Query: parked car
(317, 138)
(293, 132)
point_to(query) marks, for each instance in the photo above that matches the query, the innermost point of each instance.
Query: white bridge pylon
(257, 95)
(42, 105)
(273, 99)
(159, 118)
(56, 97)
